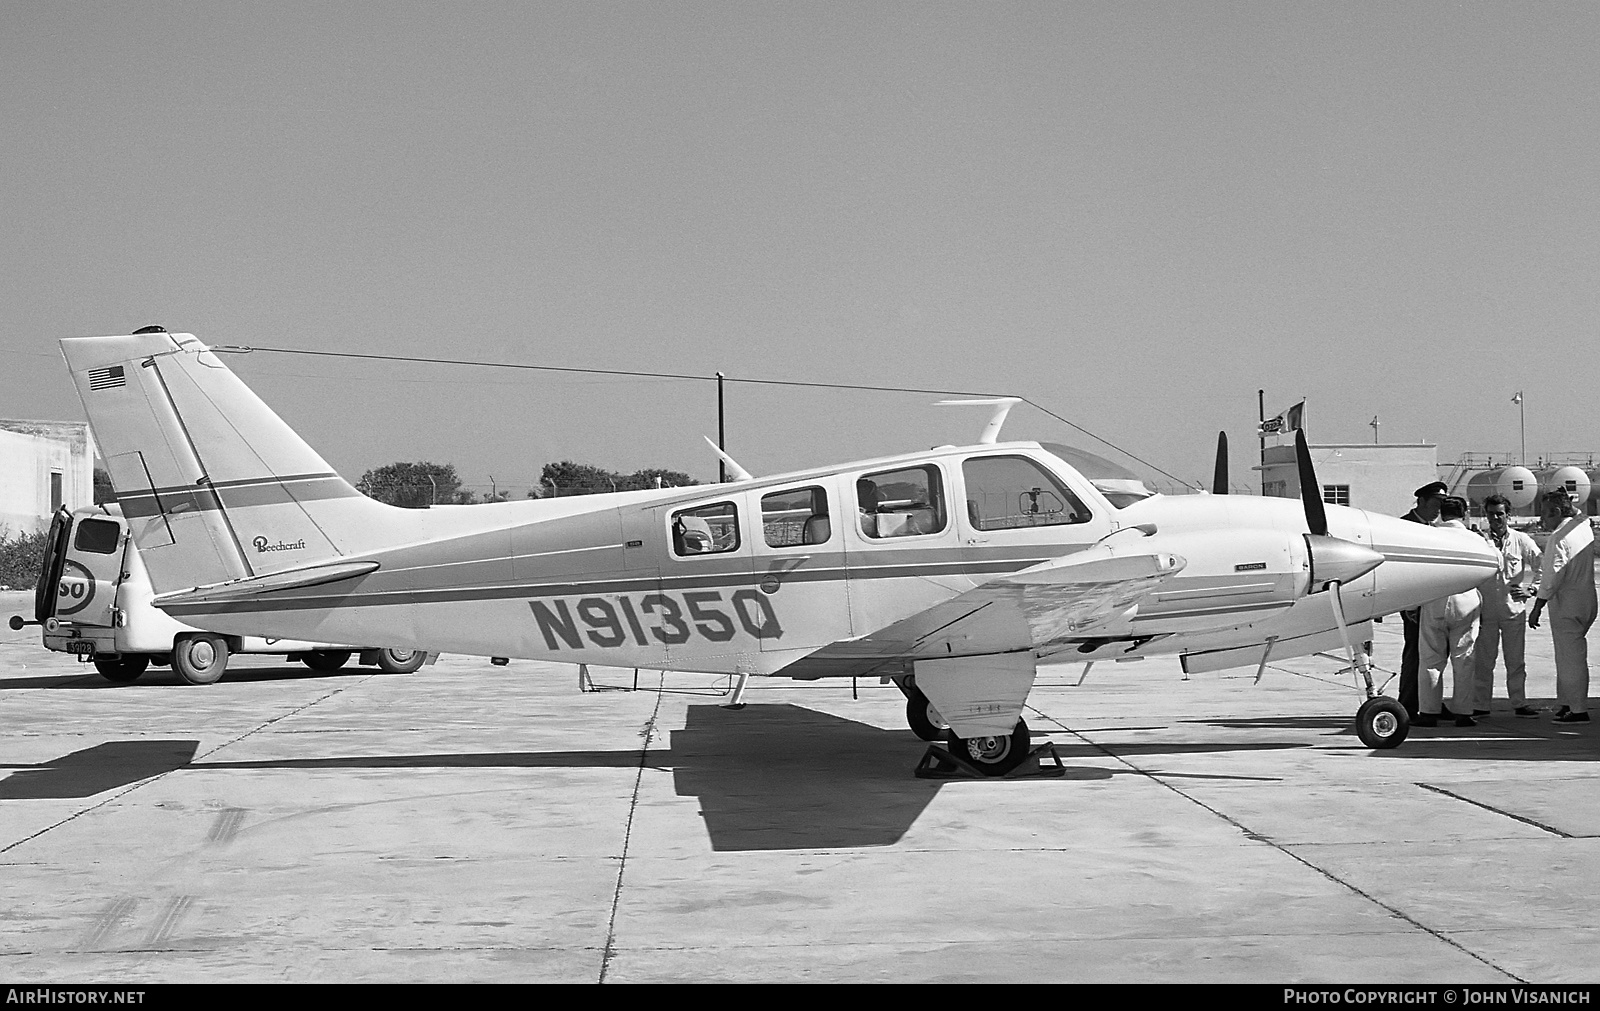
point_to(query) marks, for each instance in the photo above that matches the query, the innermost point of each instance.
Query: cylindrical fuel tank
(1573, 479)
(1517, 484)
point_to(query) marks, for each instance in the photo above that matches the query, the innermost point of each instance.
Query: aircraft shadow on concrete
(95, 770)
(769, 777)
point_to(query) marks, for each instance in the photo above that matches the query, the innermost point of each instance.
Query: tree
(650, 476)
(103, 491)
(415, 485)
(569, 478)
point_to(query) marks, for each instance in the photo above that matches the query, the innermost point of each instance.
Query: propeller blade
(1219, 481)
(1310, 490)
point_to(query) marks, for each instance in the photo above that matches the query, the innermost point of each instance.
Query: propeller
(1333, 559)
(1219, 481)
(1310, 490)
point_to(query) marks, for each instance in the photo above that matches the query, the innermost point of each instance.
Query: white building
(1380, 478)
(44, 465)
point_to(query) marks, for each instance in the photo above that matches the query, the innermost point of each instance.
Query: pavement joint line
(119, 794)
(1281, 848)
(627, 836)
(1514, 817)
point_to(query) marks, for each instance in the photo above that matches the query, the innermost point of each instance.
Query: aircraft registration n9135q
(952, 571)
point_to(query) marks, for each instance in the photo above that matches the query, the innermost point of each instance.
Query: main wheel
(125, 669)
(1382, 723)
(996, 755)
(925, 720)
(326, 659)
(200, 659)
(400, 661)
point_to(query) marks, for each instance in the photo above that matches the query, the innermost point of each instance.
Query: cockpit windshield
(1120, 486)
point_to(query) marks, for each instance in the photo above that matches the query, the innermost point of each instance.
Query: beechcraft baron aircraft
(952, 571)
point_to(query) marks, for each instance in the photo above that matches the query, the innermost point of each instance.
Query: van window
(97, 536)
(1013, 492)
(901, 503)
(791, 518)
(705, 530)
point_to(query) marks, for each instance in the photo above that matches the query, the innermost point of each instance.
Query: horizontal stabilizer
(290, 579)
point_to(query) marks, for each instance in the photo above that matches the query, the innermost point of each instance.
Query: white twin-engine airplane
(952, 571)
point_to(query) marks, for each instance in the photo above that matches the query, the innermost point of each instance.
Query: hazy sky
(1136, 214)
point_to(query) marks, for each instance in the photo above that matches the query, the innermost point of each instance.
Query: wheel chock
(939, 762)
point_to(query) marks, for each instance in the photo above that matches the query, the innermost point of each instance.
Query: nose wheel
(1382, 723)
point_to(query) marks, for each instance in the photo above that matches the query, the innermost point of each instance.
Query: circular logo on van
(75, 589)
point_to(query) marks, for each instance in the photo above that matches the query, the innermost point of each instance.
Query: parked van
(94, 599)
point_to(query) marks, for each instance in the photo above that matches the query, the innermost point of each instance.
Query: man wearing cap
(1566, 586)
(1503, 622)
(1429, 496)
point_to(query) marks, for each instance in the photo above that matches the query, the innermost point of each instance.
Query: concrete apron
(471, 822)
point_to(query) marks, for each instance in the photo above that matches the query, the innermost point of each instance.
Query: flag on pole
(1272, 426)
(1295, 418)
(1518, 398)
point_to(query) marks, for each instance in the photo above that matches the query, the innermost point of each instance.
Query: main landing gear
(923, 718)
(994, 756)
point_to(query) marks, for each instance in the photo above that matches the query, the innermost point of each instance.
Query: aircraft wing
(1068, 596)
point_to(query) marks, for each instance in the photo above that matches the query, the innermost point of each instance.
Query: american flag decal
(105, 379)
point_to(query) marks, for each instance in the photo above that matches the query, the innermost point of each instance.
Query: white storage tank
(1517, 484)
(1573, 479)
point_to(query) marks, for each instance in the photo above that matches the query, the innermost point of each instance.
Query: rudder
(215, 485)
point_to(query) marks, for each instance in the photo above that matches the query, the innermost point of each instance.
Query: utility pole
(722, 467)
(1374, 424)
(1261, 434)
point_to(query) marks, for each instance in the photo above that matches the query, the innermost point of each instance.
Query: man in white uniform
(1566, 586)
(1444, 635)
(1504, 620)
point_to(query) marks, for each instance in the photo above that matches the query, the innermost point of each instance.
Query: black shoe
(1425, 720)
(1526, 711)
(1466, 721)
(1564, 710)
(1571, 717)
(1481, 712)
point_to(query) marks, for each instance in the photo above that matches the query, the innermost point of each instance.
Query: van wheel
(326, 659)
(200, 659)
(124, 669)
(400, 661)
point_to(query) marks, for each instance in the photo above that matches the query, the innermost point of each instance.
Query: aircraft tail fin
(216, 487)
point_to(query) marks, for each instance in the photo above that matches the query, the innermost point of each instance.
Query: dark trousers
(1408, 664)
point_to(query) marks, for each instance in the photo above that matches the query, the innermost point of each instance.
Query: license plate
(82, 647)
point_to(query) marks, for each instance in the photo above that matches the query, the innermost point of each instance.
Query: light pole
(1522, 460)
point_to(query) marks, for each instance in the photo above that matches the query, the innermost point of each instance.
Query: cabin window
(792, 518)
(901, 503)
(706, 530)
(99, 537)
(1014, 492)
(1336, 494)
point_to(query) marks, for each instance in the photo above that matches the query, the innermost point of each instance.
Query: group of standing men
(1468, 631)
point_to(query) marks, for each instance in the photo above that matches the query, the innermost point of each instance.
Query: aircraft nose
(1423, 563)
